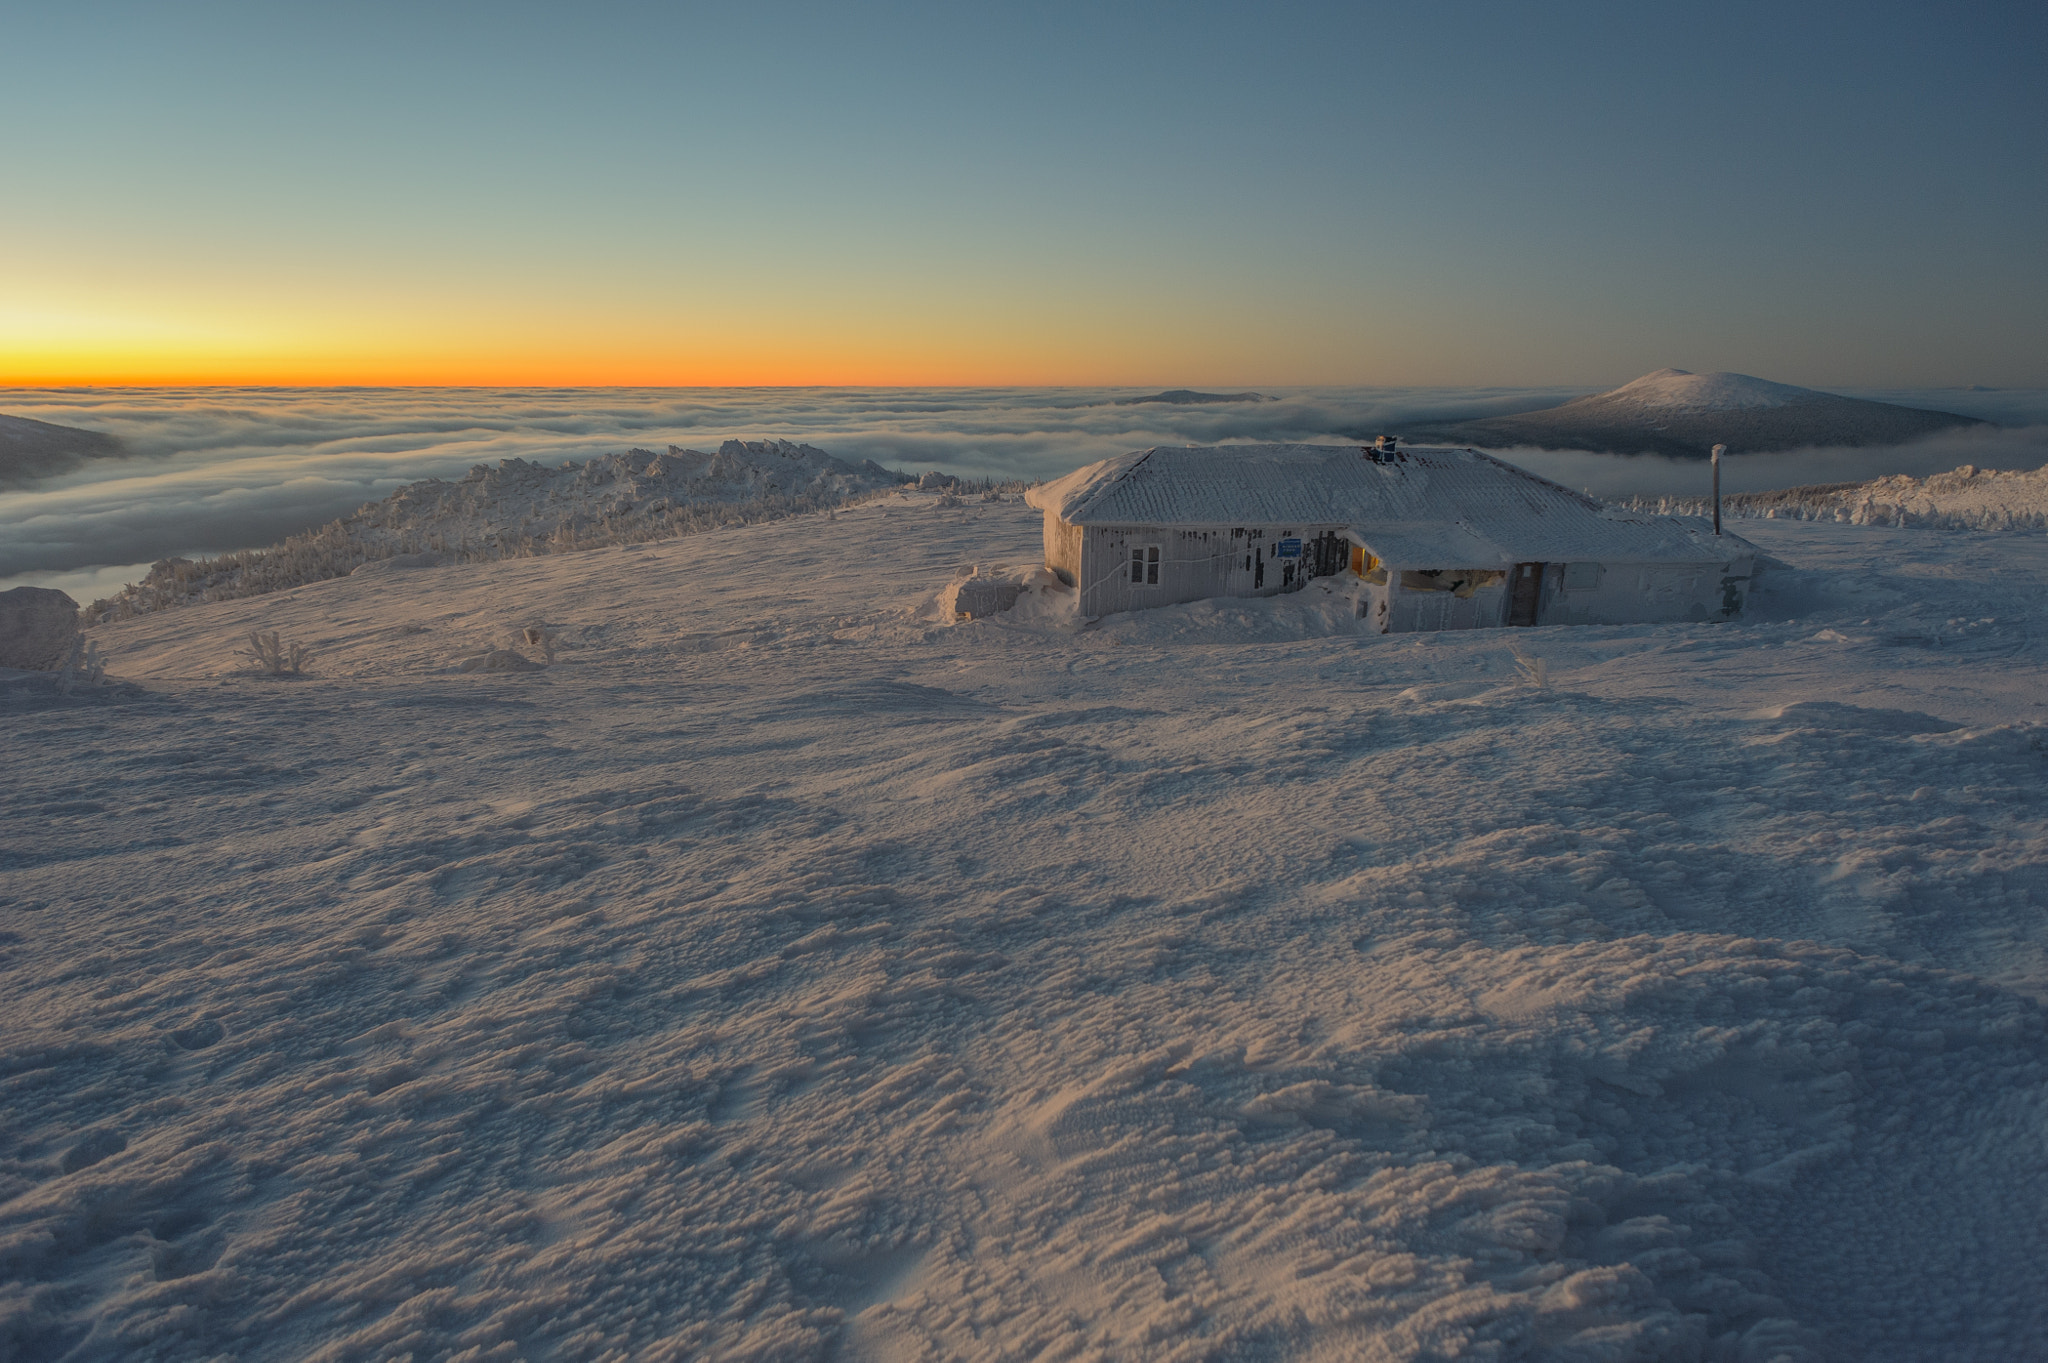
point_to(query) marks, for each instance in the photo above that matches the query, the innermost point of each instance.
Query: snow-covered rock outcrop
(38, 628)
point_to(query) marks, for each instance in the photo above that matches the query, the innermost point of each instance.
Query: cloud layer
(223, 469)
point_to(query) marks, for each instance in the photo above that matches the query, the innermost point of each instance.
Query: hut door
(1326, 555)
(1525, 594)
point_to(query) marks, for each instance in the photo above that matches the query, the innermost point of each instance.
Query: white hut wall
(1063, 549)
(1645, 593)
(1376, 603)
(1195, 563)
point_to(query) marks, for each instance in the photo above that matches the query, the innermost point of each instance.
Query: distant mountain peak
(1188, 397)
(1677, 412)
(1681, 390)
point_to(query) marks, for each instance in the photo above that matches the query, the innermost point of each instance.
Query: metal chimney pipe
(1719, 450)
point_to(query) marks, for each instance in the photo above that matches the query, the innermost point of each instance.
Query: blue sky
(1046, 194)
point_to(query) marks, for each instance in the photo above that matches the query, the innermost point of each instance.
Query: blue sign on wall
(1288, 549)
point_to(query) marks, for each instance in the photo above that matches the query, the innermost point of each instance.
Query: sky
(1053, 194)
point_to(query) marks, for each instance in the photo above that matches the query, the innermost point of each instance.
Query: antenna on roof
(1719, 450)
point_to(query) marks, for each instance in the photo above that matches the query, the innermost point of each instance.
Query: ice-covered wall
(1586, 593)
(1644, 593)
(1194, 563)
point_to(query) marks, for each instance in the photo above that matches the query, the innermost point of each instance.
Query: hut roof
(1441, 507)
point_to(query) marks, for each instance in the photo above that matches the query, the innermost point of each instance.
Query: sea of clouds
(214, 470)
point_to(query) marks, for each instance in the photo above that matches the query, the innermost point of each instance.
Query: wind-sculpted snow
(780, 974)
(520, 509)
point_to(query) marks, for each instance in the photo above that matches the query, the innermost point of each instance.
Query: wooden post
(1719, 450)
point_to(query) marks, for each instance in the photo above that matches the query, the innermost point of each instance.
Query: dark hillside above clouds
(30, 450)
(1684, 415)
(1188, 397)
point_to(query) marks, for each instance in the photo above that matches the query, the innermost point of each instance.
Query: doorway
(1525, 594)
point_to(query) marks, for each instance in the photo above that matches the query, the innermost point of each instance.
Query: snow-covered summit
(1681, 390)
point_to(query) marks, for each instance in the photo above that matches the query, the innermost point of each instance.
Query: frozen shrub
(276, 657)
(1535, 671)
(86, 664)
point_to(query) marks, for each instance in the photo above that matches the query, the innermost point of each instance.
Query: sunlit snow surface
(782, 974)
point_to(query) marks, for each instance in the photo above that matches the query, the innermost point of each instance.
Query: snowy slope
(782, 974)
(1677, 392)
(1674, 412)
(521, 508)
(1968, 498)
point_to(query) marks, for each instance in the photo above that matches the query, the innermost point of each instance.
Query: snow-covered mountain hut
(1424, 538)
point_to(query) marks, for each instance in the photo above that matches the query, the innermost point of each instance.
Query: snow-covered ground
(782, 973)
(1965, 498)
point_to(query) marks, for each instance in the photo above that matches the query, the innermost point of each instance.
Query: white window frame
(1144, 565)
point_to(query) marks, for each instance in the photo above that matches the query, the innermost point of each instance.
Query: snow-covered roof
(1441, 507)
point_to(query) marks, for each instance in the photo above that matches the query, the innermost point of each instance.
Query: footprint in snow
(93, 1147)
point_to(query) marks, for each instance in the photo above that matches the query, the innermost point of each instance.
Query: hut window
(1581, 576)
(1460, 582)
(1145, 565)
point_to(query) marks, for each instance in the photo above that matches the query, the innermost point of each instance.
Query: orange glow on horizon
(578, 372)
(743, 362)
(739, 368)
(49, 349)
